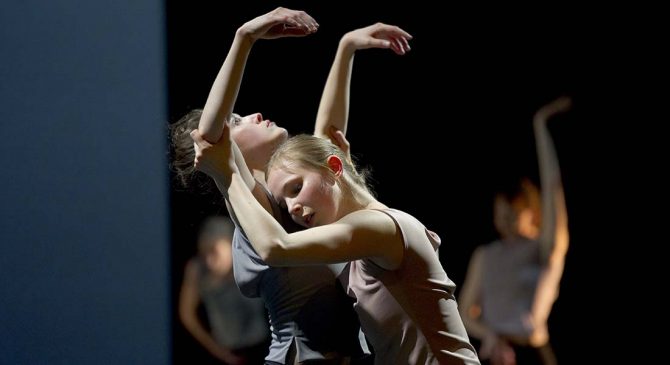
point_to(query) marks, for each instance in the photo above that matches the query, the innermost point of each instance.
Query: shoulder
(370, 219)
(192, 270)
(379, 233)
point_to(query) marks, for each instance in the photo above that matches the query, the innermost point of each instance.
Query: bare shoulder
(371, 219)
(191, 270)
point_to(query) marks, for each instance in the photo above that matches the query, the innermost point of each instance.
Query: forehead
(278, 177)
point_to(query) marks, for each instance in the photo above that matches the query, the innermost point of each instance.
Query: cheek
(244, 137)
(238, 137)
(325, 196)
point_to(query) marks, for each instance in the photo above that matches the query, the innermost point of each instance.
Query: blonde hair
(312, 153)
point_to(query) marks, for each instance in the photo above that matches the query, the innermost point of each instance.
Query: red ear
(335, 165)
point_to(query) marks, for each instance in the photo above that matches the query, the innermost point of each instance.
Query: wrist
(244, 35)
(347, 46)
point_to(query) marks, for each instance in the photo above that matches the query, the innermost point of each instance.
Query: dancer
(307, 313)
(512, 283)
(239, 330)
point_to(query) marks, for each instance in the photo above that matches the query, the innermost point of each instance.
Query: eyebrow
(284, 187)
(233, 118)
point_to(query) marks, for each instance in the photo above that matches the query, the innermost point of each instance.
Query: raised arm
(554, 235)
(280, 22)
(554, 229)
(333, 113)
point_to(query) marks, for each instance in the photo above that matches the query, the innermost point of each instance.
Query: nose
(296, 209)
(258, 118)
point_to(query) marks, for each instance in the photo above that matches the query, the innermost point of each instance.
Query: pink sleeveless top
(410, 314)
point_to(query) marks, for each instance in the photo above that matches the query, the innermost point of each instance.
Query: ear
(335, 165)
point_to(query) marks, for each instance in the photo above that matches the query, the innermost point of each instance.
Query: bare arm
(554, 235)
(223, 94)
(189, 299)
(469, 300)
(280, 22)
(469, 305)
(362, 234)
(333, 113)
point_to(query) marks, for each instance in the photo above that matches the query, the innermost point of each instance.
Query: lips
(309, 219)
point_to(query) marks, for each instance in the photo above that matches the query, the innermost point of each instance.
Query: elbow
(187, 319)
(209, 135)
(273, 254)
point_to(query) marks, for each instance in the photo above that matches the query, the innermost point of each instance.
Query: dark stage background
(442, 127)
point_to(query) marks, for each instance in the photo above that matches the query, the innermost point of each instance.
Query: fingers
(197, 142)
(560, 105)
(295, 31)
(296, 22)
(398, 47)
(196, 137)
(399, 38)
(380, 43)
(338, 138)
(405, 43)
(307, 21)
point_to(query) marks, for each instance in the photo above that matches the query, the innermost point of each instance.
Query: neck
(362, 199)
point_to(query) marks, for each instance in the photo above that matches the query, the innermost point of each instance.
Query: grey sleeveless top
(510, 273)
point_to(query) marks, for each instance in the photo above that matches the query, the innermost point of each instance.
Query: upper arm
(189, 298)
(470, 296)
(261, 196)
(362, 234)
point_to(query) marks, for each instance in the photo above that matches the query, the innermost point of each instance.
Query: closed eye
(295, 189)
(291, 190)
(234, 120)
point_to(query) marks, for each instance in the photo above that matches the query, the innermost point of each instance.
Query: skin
(343, 220)
(368, 227)
(552, 236)
(256, 136)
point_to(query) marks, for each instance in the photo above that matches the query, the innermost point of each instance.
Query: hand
(503, 354)
(229, 357)
(340, 141)
(278, 23)
(216, 160)
(497, 350)
(559, 105)
(378, 35)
